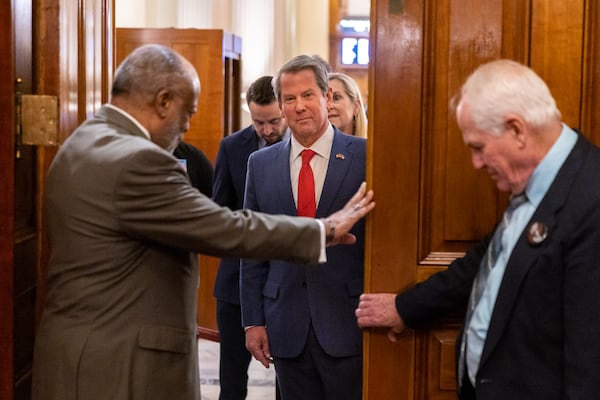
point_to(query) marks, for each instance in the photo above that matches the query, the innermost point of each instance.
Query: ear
(162, 102)
(329, 96)
(517, 128)
(355, 108)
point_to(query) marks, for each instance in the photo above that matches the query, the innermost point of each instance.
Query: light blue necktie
(487, 263)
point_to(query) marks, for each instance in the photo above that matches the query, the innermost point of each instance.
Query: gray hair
(148, 69)
(502, 87)
(300, 63)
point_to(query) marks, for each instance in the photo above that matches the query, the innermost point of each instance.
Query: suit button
(304, 284)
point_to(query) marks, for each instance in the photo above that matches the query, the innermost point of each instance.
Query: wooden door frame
(6, 201)
(61, 37)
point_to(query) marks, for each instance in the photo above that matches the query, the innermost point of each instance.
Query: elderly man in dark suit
(124, 223)
(268, 126)
(532, 289)
(303, 316)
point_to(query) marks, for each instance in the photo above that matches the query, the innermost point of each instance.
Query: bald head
(159, 88)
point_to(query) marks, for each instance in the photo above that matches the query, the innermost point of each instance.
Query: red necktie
(306, 186)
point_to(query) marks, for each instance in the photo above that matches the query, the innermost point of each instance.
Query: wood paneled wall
(7, 222)
(73, 61)
(47, 44)
(431, 204)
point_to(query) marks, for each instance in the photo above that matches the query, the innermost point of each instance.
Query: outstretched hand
(343, 220)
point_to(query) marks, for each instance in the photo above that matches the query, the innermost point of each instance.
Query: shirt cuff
(323, 253)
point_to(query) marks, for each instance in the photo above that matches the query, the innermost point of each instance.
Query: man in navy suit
(301, 317)
(268, 126)
(532, 294)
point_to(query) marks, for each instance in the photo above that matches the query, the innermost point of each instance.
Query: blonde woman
(347, 111)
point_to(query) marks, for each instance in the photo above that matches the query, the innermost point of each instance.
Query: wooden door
(431, 204)
(216, 56)
(7, 203)
(53, 61)
(19, 228)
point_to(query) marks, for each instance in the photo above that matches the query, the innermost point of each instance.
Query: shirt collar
(322, 146)
(128, 116)
(546, 171)
(263, 143)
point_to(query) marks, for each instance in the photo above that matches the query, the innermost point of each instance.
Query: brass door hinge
(36, 119)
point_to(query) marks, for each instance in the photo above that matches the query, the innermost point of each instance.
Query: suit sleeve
(223, 189)
(253, 273)
(155, 202)
(443, 292)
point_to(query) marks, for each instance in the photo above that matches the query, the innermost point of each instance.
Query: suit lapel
(524, 255)
(340, 160)
(249, 142)
(245, 144)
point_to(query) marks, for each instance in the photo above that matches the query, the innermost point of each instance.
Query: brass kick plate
(39, 119)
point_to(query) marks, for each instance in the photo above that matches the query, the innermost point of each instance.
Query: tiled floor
(261, 381)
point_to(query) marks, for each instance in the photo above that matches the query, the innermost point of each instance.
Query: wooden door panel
(7, 202)
(590, 117)
(43, 60)
(435, 375)
(450, 213)
(393, 145)
(557, 56)
(25, 289)
(25, 215)
(432, 204)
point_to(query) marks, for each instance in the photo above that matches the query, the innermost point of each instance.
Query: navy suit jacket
(228, 191)
(542, 341)
(288, 297)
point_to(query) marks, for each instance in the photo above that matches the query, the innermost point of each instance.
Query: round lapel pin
(537, 233)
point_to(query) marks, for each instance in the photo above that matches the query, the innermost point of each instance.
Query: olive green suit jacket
(124, 222)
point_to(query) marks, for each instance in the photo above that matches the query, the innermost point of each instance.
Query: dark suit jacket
(228, 191)
(542, 341)
(199, 168)
(287, 297)
(120, 315)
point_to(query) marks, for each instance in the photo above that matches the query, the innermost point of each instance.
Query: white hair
(504, 87)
